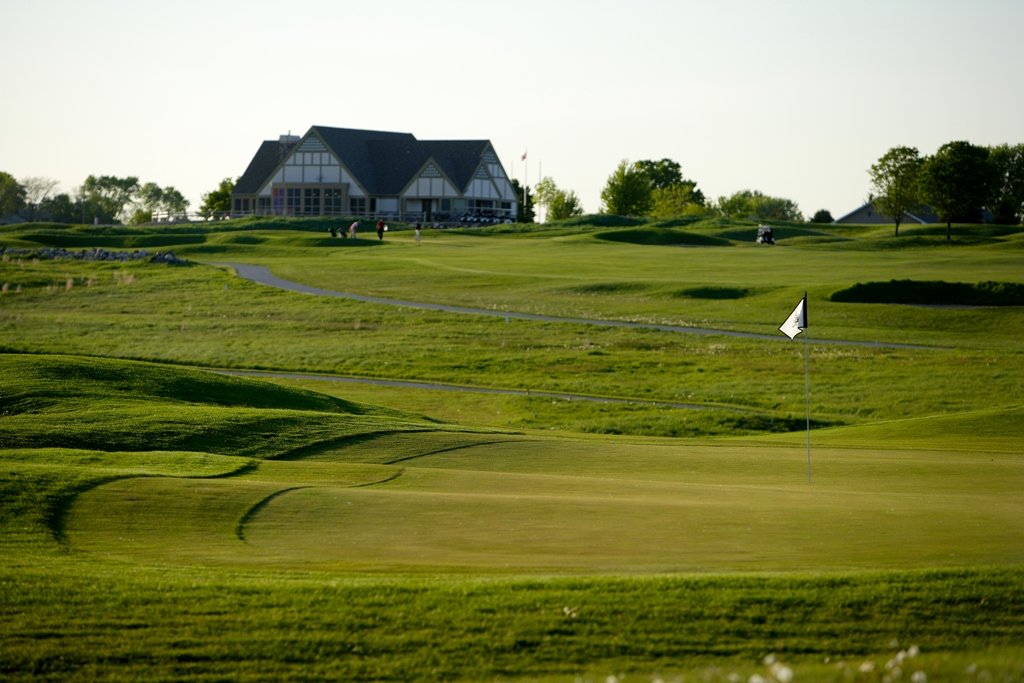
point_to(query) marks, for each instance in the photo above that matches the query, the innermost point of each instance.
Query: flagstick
(794, 325)
(807, 393)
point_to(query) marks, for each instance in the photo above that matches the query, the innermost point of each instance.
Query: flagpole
(807, 396)
(526, 178)
(807, 386)
(796, 324)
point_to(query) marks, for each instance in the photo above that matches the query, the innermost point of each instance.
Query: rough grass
(205, 317)
(124, 622)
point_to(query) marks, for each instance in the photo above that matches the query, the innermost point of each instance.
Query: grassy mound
(84, 403)
(651, 236)
(933, 293)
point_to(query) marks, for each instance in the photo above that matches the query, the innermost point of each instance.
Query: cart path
(263, 276)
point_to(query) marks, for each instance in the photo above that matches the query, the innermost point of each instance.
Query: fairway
(557, 454)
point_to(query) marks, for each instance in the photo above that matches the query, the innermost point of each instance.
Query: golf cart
(765, 235)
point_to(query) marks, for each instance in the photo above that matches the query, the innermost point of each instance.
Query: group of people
(382, 227)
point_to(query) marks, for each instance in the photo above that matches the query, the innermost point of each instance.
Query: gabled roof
(355, 149)
(923, 215)
(385, 163)
(269, 155)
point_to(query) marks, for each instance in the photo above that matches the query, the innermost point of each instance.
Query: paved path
(262, 275)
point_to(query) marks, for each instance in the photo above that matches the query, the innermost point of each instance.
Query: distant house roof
(386, 162)
(867, 214)
(383, 162)
(331, 170)
(268, 156)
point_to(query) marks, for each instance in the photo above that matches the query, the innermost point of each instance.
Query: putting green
(531, 504)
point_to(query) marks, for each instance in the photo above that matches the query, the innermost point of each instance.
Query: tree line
(961, 182)
(658, 190)
(102, 199)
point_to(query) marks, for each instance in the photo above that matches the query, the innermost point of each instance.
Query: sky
(793, 98)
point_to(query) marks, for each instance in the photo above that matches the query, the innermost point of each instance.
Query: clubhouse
(349, 172)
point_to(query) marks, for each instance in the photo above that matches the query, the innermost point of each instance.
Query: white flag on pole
(797, 320)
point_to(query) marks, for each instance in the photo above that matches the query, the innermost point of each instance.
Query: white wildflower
(919, 677)
(782, 673)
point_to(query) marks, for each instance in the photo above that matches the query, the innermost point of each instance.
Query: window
(311, 201)
(293, 201)
(357, 206)
(333, 201)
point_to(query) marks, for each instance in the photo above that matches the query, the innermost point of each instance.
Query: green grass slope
(99, 404)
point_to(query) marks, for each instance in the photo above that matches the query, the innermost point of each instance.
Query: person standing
(380, 229)
(352, 229)
(419, 234)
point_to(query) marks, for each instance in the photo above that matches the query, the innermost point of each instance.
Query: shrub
(936, 292)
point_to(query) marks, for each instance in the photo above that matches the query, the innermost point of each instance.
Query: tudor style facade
(349, 172)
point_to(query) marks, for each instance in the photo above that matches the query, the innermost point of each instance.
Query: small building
(349, 172)
(867, 214)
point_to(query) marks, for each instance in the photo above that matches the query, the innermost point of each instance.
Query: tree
(627, 192)
(1008, 204)
(755, 205)
(60, 209)
(150, 196)
(680, 199)
(559, 204)
(526, 201)
(565, 205)
(37, 191)
(822, 216)
(153, 198)
(894, 182)
(218, 201)
(108, 198)
(663, 174)
(174, 203)
(671, 194)
(12, 194)
(957, 181)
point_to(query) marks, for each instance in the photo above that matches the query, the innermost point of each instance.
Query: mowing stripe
(251, 512)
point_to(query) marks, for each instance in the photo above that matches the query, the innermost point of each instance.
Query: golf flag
(797, 320)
